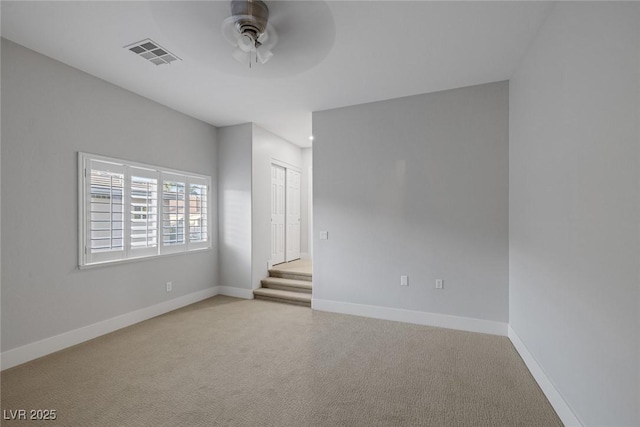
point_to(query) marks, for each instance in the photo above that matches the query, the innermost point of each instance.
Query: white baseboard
(567, 416)
(50, 345)
(232, 291)
(411, 316)
(305, 255)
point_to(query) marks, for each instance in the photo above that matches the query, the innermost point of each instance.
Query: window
(130, 210)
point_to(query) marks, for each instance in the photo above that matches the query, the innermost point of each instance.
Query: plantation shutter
(143, 212)
(104, 191)
(130, 210)
(173, 213)
(198, 213)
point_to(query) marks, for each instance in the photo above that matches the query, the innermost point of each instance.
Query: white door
(277, 214)
(293, 215)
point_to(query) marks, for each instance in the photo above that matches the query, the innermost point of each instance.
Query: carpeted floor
(231, 362)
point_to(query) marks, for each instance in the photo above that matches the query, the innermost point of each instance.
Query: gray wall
(266, 147)
(234, 205)
(574, 207)
(305, 200)
(50, 112)
(244, 177)
(415, 186)
(0, 210)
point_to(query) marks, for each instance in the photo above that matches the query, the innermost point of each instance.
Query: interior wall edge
(562, 408)
(236, 292)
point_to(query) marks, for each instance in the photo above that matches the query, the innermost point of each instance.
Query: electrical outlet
(324, 235)
(169, 286)
(439, 283)
(404, 280)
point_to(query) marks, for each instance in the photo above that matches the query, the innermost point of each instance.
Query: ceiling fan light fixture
(246, 43)
(248, 30)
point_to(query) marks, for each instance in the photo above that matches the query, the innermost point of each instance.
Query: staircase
(287, 285)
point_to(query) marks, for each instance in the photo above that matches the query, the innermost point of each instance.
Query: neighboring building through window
(130, 210)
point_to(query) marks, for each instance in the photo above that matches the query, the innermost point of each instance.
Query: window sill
(141, 258)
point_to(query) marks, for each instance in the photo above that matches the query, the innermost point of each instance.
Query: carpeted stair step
(284, 274)
(286, 284)
(298, 298)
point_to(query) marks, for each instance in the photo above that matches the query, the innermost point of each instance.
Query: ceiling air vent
(152, 52)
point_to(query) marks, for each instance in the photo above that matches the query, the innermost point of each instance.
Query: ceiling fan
(249, 31)
(305, 34)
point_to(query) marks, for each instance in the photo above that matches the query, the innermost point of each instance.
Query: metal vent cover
(152, 52)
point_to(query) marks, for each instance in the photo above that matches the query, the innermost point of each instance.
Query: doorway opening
(285, 213)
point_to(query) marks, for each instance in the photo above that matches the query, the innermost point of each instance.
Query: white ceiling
(330, 54)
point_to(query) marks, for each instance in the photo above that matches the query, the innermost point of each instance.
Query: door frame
(293, 215)
(278, 174)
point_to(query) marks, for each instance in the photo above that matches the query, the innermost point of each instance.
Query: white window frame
(129, 253)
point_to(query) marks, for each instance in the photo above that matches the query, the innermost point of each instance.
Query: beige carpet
(304, 266)
(230, 362)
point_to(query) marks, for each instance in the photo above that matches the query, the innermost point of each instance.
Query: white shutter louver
(105, 228)
(173, 213)
(143, 219)
(198, 213)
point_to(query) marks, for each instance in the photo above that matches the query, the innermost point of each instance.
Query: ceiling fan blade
(241, 56)
(229, 31)
(269, 37)
(263, 54)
